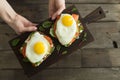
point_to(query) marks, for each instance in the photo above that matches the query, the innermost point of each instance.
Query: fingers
(30, 28)
(51, 7)
(58, 12)
(56, 7)
(26, 21)
(31, 24)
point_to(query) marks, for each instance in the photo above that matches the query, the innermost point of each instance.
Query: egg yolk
(39, 48)
(67, 20)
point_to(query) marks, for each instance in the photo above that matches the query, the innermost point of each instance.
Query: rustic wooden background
(100, 60)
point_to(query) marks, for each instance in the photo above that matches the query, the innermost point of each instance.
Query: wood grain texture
(65, 74)
(100, 57)
(89, 57)
(13, 63)
(104, 34)
(37, 13)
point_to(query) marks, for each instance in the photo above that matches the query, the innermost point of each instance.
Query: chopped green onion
(81, 29)
(85, 35)
(64, 52)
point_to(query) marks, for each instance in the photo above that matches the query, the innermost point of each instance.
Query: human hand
(56, 7)
(14, 20)
(21, 24)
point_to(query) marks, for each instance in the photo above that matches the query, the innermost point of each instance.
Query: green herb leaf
(67, 45)
(41, 28)
(52, 49)
(74, 9)
(58, 47)
(78, 21)
(84, 39)
(81, 29)
(47, 24)
(52, 32)
(85, 35)
(25, 60)
(64, 52)
(37, 63)
(15, 42)
(31, 34)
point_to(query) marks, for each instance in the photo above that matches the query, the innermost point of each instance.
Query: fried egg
(37, 48)
(65, 29)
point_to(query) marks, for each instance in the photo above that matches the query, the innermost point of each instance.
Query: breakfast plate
(59, 51)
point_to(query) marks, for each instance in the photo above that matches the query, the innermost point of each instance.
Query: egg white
(30, 54)
(63, 33)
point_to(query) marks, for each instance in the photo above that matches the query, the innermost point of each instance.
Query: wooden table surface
(100, 60)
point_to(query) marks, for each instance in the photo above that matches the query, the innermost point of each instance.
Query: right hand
(56, 7)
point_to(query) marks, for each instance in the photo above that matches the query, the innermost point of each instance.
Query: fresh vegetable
(76, 17)
(58, 47)
(74, 9)
(47, 24)
(49, 40)
(41, 28)
(64, 52)
(25, 59)
(52, 32)
(23, 50)
(15, 42)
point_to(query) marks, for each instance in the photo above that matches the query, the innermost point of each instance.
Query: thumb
(30, 28)
(58, 12)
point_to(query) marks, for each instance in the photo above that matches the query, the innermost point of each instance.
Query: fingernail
(35, 28)
(53, 18)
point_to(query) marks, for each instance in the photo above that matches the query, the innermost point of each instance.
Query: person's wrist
(11, 18)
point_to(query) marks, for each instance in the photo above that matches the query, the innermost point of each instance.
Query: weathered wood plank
(104, 33)
(4, 38)
(8, 60)
(37, 13)
(100, 57)
(68, 1)
(6, 29)
(82, 58)
(13, 63)
(65, 74)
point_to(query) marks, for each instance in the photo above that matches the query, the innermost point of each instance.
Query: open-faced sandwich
(66, 28)
(37, 47)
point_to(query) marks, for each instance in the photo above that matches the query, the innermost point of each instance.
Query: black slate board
(16, 43)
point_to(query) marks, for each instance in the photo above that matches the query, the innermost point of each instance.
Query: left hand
(56, 7)
(21, 24)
